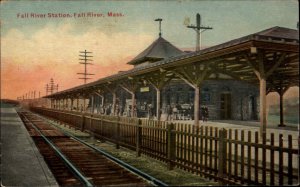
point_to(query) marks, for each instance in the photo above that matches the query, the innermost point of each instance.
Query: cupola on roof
(158, 50)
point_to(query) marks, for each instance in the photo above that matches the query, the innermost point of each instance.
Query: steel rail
(124, 164)
(114, 159)
(80, 176)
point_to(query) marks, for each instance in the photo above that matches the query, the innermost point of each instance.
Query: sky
(35, 49)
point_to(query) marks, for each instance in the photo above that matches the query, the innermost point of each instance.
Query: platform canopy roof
(158, 50)
(273, 53)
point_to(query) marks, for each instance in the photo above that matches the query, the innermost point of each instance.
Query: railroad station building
(231, 79)
(218, 93)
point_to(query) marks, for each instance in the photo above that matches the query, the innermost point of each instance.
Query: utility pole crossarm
(85, 62)
(199, 29)
(86, 73)
(86, 59)
(85, 52)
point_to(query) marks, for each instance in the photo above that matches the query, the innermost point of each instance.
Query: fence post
(92, 129)
(90, 122)
(290, 160)
(171, 146)
(222, 155)
(138, 137)
(102, 129)
(118, 132)
(82, 122)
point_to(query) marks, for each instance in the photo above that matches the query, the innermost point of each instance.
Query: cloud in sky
(30, 62)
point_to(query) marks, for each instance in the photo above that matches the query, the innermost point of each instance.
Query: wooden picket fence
(228, 156)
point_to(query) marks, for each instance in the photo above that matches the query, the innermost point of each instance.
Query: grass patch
(153, 167)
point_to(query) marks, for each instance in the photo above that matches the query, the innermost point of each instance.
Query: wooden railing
(231, 157)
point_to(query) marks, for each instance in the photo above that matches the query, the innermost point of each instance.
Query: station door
(225, 106)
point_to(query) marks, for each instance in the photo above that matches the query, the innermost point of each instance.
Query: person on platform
(192, 111)
(134, 111)
(149, 108)
(169, 112)
(204, 113)
(153, 112)
(117, 110)
(129, 111)
(174, 113)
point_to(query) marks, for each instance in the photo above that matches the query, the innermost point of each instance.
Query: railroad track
(75, 163)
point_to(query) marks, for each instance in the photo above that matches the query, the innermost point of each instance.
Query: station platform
(21, 162)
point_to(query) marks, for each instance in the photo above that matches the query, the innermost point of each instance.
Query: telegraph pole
(51, 87)
(85, 61)
(199, 29)
(47, 89)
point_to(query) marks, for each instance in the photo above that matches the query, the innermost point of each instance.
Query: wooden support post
(222, 168)
(72, 104)
(171, 144)
(93, 104)
(134, 109)
(262, 106)
(138, 137)
(64, 104)
(281, 109)
(262, 74)
(84, 105)
(77, 104)
(114, 103)
(158, 81)
(67, 104)
(102, 101)
(158, 104)
(131, 91)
